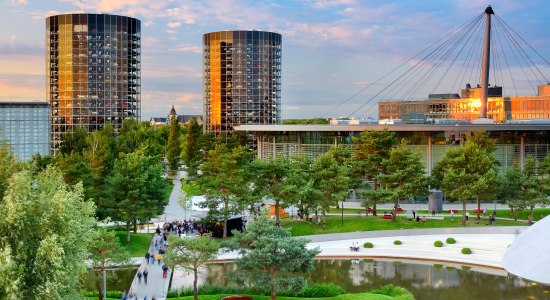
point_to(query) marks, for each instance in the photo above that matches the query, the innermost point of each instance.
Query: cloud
(171, 31)
(148, 23)
(174, 24)
(17, 2)
(193, 49)
(323, 4)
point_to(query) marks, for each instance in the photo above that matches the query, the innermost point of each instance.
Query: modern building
(93, 71)
(25, 128)
(514, 141)
(466, 106)
(242, 79)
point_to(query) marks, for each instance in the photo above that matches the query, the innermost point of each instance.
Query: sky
(331, 48)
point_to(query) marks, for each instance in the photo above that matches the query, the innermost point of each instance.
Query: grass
(361, 296)
(139, 242)
(352, 224)
(191, 189)
(167, 192)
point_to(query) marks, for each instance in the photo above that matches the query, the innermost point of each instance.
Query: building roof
(400, 127)
(23, 104)
(158, 120)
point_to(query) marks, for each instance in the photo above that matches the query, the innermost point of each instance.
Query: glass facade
(25, 128)
(93, 71)
(242, 79)
(500, 109)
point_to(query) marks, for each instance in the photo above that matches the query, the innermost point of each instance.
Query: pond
(426, 280)
(117, 280)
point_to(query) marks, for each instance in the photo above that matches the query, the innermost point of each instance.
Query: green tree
(224, 181)
(8, 166)
(523, 188)
(137, 189)
(192, 147)
(272, 180)
(173, 150)
(466, 172)
(307, 195)
(271, 257)
(332, 179)
(190, 254)
(404, 177)
(46, 230)
(74, 140)
(131, 136)
(371, 148)
(106, 253)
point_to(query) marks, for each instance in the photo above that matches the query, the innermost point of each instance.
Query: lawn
(371, 223)
(191, 189)
(139, 242)
(361, 296)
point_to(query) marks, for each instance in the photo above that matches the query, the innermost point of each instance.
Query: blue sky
(331, 48)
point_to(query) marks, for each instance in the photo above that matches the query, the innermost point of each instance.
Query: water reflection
(425, 280)
(117, 280)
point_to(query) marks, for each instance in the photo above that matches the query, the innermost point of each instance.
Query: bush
(237, 298)
(321, 290)
(397, 242)
(396, 292)
(438, 266)
(451, 241)
(438, 244)
(466, 268)
(368, 245)
(466, 251)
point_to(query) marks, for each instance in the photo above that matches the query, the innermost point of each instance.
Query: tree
(404, 175)
(74, 140)
(271, 180)
(224, 182)
(106, 253)
(8, 166)
(190, 254)
(332, 180)
(192, 146)
(466, 172)
(137, 189)
(46, 228)
(371, 148)
(523, 188)
(131, 136)
(307, 195)
(270, 256)
(173, 150)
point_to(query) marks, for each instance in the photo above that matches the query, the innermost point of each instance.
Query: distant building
(25, 128)
(242, 79)
(467, 106)
(182, 119)
(93, 72)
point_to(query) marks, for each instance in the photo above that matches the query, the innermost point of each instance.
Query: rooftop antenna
(485, 62)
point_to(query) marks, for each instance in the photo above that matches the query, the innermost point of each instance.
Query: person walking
(139, 276)
(145, 273)
(452, 214)
(164, 271)
(124, 296)
(414, 214)
(147, 256)
(159, 258)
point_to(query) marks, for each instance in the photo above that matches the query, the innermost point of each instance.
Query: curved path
(488, 245)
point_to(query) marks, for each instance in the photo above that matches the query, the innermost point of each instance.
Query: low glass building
(514, 141)
(92, 71)
(242, 79)
(25, 128)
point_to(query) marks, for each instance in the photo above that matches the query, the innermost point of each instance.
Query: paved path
(156, 286)
(488, 244)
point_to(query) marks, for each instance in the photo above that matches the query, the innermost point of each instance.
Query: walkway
(487, 244)
(156, 286)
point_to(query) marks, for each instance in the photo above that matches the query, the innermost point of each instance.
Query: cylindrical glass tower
(242, 79)
(93, 71)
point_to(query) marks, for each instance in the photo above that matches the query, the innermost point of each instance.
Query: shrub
(466, 268)
(466, 251)
(321, 290)
(368, 245)
(451, 241)
(397, 242)
(438, 244)
(237, 298)
(396, 292)
(450, 268)
(438, 266)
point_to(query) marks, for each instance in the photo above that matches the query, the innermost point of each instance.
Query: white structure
(528, 255)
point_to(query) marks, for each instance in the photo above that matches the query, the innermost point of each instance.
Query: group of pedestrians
(181, 228)
(132, 296)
